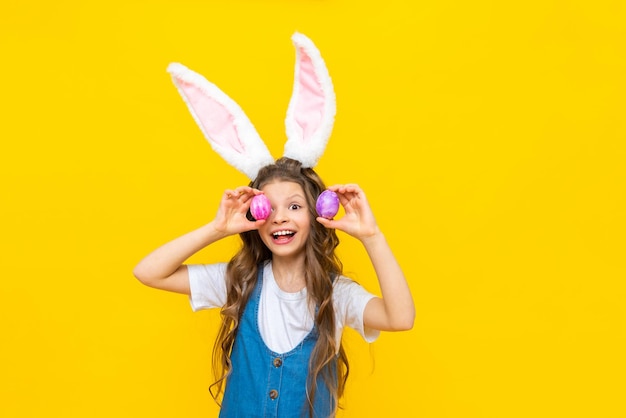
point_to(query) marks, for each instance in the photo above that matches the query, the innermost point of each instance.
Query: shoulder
(207, 285)
(343, 284)
(347, 291)
(349, 300)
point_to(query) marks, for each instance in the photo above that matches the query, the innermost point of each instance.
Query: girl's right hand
(231, 216)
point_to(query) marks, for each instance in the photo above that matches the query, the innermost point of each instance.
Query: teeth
(279, 233)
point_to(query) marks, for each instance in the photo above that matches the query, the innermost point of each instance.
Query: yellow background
(488, 135)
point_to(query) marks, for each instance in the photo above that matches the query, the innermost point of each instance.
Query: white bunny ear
(311, 112)
(222, 121)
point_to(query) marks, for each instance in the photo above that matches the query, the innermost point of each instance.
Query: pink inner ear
(216, 120)
(310, 103)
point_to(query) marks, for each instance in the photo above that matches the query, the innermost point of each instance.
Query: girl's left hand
(358, 220)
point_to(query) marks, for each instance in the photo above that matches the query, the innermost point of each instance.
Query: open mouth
(283, 236)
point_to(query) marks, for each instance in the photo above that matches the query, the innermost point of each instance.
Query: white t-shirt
(285, 319)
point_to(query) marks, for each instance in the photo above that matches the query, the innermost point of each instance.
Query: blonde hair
(321, 267)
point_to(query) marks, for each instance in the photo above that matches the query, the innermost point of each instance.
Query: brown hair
(321, 266)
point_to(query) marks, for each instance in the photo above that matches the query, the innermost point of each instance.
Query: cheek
(265, 239)
(308, 224)
(263, 230)
(308, 218)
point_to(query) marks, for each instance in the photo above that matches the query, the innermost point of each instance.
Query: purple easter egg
(327, 204)
(260, 207)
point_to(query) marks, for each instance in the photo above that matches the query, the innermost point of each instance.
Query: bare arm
(164, 269)
(395, 311)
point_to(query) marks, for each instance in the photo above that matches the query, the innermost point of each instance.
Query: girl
(283, 299)
(284, 302)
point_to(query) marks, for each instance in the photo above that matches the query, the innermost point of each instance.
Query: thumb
(328, 223)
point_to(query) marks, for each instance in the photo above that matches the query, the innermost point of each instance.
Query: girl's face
(287, 228)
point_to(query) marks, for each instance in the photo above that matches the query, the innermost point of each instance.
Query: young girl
(283, 299)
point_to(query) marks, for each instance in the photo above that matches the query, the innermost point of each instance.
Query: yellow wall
(489, 136)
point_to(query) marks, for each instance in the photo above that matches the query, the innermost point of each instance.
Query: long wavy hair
(321, 267)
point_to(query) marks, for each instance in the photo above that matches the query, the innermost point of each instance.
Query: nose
(279, 216)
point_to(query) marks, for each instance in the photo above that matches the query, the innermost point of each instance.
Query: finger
(229, 194)
(346, 189)
(245, 189)
(327, 223)
(353, 188)
(239, 191)
(256, 224)
(346, 195)
(243, 193)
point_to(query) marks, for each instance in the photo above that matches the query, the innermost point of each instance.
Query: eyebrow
(296, 195)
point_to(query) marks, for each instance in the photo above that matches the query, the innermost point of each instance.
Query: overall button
(273, 394)
(278, 362)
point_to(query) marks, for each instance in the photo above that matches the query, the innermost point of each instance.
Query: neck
(289, 274)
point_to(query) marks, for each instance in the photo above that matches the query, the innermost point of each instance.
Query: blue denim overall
(268, 384)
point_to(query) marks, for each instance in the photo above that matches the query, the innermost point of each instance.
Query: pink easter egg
(260, 207)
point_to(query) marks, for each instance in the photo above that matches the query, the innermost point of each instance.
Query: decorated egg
(260, 207)
(327, 204)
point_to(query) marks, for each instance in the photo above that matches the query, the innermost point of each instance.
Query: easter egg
(327, 204)
(260, 207)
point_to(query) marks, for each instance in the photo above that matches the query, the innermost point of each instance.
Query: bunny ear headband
(309, 121)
